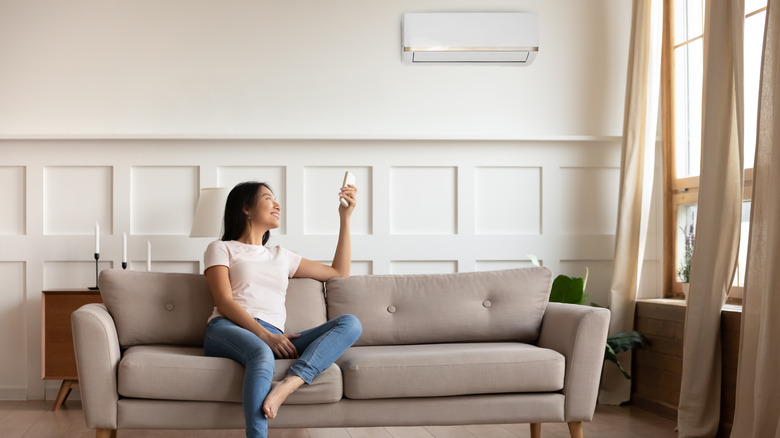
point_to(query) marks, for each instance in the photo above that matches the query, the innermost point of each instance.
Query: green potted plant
(684, 270)
(571, 290)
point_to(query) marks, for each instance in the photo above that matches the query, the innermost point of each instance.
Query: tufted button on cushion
(487, 303)
(391, 309)
(169, 306)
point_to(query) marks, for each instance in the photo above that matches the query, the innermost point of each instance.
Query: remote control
(349, 179)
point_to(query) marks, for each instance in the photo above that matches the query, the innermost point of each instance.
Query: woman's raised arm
(342, 259)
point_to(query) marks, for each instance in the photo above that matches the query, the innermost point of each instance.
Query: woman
(249, 281)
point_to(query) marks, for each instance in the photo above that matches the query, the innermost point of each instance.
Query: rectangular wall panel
(362, 268)
(274, 176)
(499, 265)
(70, 274)
(358, 267)
(12, 200)
(12, 344)
(75, 197)
(163, 199)
(423, 200)
(588, 200)
(423, 267)
(184, 267)
(508, 200)
(321, 201)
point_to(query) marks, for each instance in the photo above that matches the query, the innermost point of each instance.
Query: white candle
(124, 247)
(148, 255)
(97, 238)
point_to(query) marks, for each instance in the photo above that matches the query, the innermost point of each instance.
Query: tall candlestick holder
(97, 257)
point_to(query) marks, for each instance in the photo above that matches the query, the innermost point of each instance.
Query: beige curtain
(758, 384)
(719, 215)
(636, 181)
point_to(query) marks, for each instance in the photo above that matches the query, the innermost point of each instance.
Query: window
(682, 79)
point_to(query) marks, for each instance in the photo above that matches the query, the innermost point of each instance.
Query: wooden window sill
(682, 303)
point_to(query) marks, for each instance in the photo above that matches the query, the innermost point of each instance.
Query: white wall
(300, 69)
(120, 111)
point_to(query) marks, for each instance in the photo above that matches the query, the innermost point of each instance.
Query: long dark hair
(243, 197)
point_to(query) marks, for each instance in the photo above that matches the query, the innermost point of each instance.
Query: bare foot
(266, 407)
(279, 393)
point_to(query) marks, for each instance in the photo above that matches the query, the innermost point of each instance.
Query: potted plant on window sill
(684, 270)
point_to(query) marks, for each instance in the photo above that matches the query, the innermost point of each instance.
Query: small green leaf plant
(623, 342)
(684, 270)
(571, 290)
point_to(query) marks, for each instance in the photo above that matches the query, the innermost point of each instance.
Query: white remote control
(349, 179)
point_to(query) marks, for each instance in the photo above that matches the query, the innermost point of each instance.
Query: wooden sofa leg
(105, 433)
(575, 429)
(536, 430)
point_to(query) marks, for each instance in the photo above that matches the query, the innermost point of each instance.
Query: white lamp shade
(209, 212)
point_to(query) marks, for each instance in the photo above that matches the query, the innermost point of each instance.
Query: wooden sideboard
(58, 360)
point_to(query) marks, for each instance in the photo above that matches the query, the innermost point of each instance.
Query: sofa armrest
(580, 334)
(97, 358)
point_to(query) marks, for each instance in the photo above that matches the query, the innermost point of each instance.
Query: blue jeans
(317, 349)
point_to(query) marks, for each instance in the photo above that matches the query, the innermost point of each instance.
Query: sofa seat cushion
(186, 373)
(435, 370)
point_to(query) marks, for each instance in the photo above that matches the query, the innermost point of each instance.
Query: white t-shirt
(258, 276)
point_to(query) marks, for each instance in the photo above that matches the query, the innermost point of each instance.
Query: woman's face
(267, 212)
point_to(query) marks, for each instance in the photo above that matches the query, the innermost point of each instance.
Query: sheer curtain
(636, 180)
(758, 386)
(719, 214)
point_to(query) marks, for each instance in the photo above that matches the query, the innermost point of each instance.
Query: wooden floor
(34, 419)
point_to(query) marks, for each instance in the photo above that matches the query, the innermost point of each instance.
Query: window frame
(680, 191)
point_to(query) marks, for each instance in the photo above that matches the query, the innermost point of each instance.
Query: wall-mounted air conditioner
(459, 37)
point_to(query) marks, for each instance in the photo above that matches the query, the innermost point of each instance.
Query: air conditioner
(459, 37)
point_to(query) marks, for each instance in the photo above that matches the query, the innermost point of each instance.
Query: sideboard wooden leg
(575, 429)
(105, 433)
(536, 430)
(65, 389)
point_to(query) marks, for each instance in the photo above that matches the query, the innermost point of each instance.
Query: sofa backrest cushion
(305, 305)
(465, 307)
(171, 308)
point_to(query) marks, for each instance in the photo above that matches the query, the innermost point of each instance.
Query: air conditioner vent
(487, 37)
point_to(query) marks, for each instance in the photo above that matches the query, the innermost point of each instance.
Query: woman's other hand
(281, 345)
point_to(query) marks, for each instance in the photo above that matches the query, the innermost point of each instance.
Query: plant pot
(685, 288)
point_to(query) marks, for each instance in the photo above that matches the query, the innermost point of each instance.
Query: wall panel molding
(12, 322)
(12, 200)
(423, 200)
(77, 197)
(163, 199)
(420, 208)
(508, 200)
(320, 199)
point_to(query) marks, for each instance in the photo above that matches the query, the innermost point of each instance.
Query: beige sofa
(468, 348)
